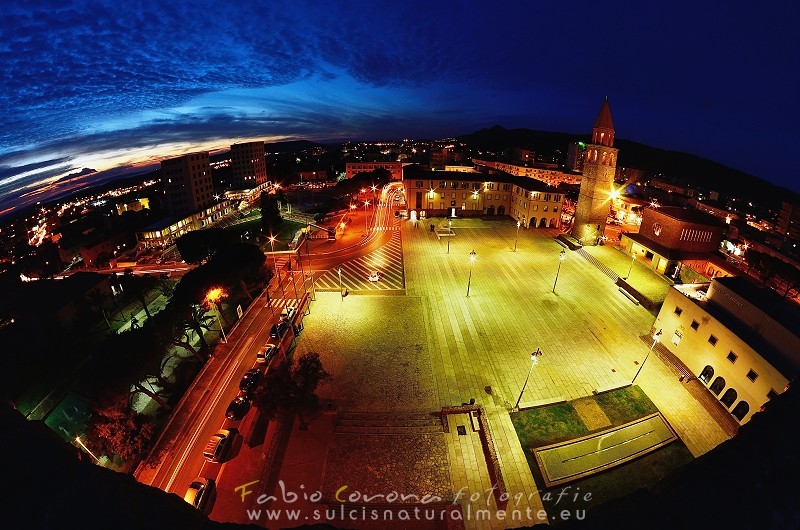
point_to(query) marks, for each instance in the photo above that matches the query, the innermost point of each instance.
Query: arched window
(717, 385)
(543, 222)
(740, 410)
(706, 374)
(729, 397)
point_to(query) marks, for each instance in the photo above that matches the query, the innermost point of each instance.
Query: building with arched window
(740, 340)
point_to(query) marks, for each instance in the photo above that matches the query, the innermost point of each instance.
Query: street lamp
(517, 238)
(366, 203)
(471, 263)
(83, 445)
(275, 262)
(561, 257)
(340, 282)
(656, 338)
(534, 361)
(633, 258)
(449, 234)
(308, 254)
(213, 296)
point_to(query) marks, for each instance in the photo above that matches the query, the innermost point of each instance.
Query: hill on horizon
(675, 166)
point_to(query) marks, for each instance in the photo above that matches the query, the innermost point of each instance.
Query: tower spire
(603, 131)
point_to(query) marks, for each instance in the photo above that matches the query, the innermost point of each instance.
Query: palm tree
(199, 321)
(139, 286)
(97, 299)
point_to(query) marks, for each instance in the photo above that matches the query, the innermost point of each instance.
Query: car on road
(374, 276)
(266, 353)
(250, 381)
(218, 445)
(279, 330)
(288, 313)
(238, 408)
(199, 493)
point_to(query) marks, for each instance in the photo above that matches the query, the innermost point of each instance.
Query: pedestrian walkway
(388, 261)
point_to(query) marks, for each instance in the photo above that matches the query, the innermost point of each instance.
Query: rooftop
(689, 215)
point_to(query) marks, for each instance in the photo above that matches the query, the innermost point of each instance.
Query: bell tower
(597, 184)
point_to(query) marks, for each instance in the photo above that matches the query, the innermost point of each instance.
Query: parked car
(279, 330)
(218, 445)
(238, 408)
(250, 381)
(199, 493)
(374, 276)
(288, 313)
(266, 353)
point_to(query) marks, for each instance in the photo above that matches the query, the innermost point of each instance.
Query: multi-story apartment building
(789, 220)
(187, 184)
(354, 168)
(248, 165)
(741, 341)
(551, 177)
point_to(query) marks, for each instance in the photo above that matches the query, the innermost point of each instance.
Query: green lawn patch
(625, 405)
(557, 423)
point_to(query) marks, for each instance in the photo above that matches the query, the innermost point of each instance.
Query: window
(695, 325)
(544, 208)
(676, 338)
(419, 184)
(712, 340)
(772, 394)
(557, 198)
(547, 196)
(732, 357)
(535, 207)
(555, 209)
(678, 310)
(752, 376)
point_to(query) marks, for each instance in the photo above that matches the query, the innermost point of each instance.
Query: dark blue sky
(101, 84)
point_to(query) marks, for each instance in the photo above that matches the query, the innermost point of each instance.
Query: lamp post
(517, 238)
(83, 445)
(656, 338)
(366, 229)
(561, 257)
(534, 361)
(449, 234)
(213, 296)
(275, 262)
(630, 268)
(471, 263)
(308, 254)
(340, 282)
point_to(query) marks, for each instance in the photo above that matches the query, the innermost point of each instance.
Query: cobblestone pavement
(437, 347)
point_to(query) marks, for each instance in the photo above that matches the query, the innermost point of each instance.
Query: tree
(198, 320)
(290, 388)
(139, 286)
(97, 299)
(270, 213)
(116, 429)
(198, 246)
(240, 264)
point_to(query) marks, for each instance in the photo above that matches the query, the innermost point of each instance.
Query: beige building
(445, 193)
(741, 341)
(248, 165)
(551, 177)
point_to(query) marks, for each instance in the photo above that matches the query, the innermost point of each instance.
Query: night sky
(103, 84)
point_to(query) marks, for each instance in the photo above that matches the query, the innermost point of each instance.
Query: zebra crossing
(388, 261)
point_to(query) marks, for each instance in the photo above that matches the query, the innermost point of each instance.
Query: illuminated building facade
(354, 168)
(738, 339)
(248, 165)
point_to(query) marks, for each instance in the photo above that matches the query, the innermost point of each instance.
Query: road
(202, 410)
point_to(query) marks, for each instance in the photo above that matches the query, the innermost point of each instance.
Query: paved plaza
(396, 360)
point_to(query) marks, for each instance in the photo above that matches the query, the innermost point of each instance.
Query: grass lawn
(557, 423)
